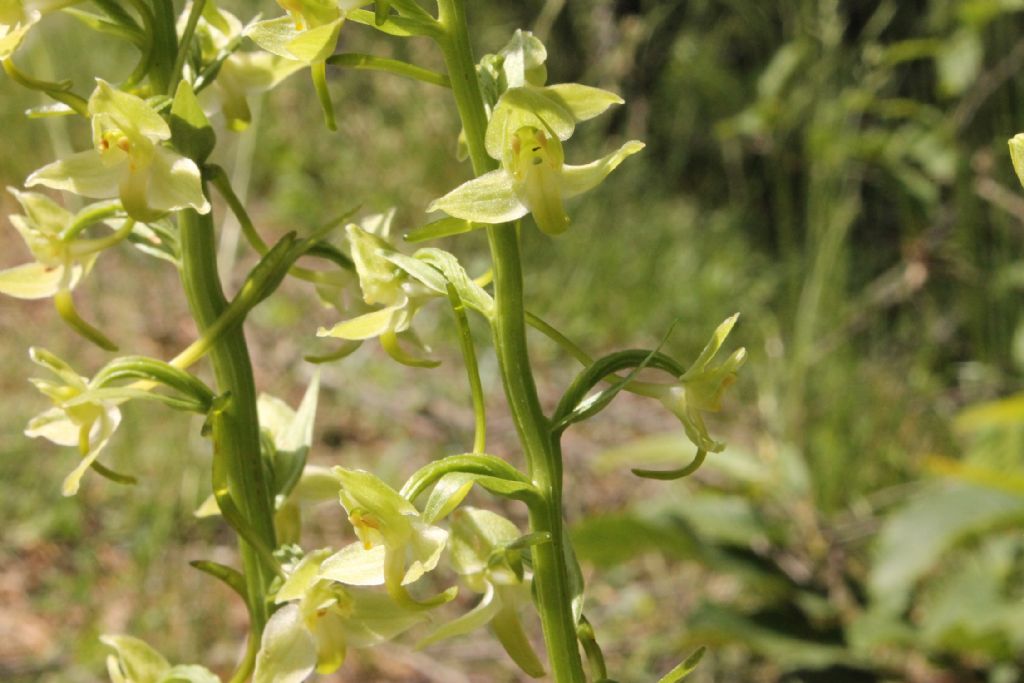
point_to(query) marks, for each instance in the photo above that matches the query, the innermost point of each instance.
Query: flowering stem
(185, 44)
(551, 575)
(236, 431)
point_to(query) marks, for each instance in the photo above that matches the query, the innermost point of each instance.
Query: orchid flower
(701, 387)
(320, 620)
(128, 160)
(81, 415)
(61, 261)
(137, 662)
(307, 36)
(396, 545)
(18, 16)
(479, 554)
(241, 74)
(525, 133)
(382, 281)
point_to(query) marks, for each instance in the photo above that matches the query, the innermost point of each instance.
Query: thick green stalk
(551, 575)
(236, 435)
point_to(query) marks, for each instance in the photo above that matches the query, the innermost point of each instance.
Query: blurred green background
(835, 171)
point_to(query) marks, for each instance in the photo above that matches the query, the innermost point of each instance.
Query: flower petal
(491, 198)
(526, 107)
(175, 183)
(583, 101)
(274, 35)
(428, 543)
(355, 565)
(476, 618)
(129, 113)
(377, 618)
(316, 44)
(83, 173)
(302, 577)
(287, 650)
(31, 281)
(712, 347)
(99, 435)
(365, 326)
(54, 426)
(578, 179)
(43, 213)
(139, 662)
(11, 36)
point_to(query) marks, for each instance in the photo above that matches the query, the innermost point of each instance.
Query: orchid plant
(148, 167)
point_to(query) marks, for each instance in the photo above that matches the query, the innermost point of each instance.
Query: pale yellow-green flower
(319, 620)
(241, 74)
(396, 546)
(18, 16)
(59, 263)
(525, 133)
(701, 387)
(128, 160)
(79, 417)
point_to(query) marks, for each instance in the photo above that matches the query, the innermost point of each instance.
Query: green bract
(60, 263)
(241, 74)
(128, 160)
(320, 620)
(137, 662)
(525, 133)
(396, 546)
(701, 388)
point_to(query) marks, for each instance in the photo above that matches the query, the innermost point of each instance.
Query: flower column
(549, 563)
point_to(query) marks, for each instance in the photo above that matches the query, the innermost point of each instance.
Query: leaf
(685, 668)
(914, 538)
(718, 624)
(617, 538)
(232, 578)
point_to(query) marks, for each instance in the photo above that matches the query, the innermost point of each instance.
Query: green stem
(89, 216)
(236, 433)
(551, 576)
(355, 60)
(185, 44)
(472, 370)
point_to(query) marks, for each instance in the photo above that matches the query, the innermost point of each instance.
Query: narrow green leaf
(443, 227)
(685, 668)
(190, 130)
(232, 578)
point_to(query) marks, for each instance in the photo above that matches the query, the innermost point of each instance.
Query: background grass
(837, 172)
